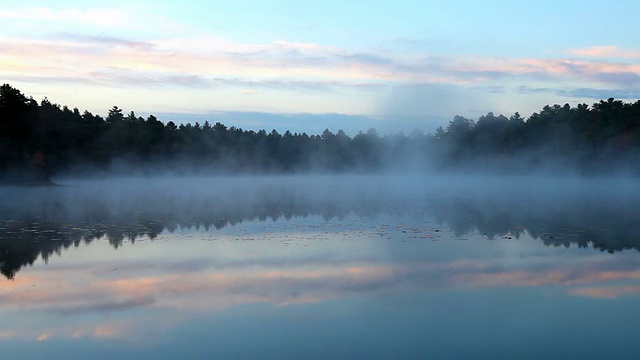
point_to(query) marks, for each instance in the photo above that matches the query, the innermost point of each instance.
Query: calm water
(321, 267)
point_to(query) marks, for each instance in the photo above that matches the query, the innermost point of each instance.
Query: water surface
(320, 267)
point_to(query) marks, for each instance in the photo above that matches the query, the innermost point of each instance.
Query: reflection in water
(38, 222)
(336, 268)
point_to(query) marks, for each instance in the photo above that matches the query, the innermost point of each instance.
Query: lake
(319, 267)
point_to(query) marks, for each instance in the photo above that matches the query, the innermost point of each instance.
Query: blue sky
(398, 64)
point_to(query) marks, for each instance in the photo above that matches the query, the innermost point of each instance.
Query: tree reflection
(37, 223)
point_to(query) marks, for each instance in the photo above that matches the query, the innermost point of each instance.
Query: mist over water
(558, 211)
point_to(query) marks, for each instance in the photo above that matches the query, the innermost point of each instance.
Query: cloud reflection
(208, 290)
(279, 283)
(105, 331)
(608, 292)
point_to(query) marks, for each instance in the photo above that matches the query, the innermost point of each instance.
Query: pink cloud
(118, 62)
(609, 51)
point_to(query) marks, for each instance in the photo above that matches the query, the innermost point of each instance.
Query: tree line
(601, 138)
(41, 140)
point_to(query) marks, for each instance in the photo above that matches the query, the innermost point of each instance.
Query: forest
(39, 141)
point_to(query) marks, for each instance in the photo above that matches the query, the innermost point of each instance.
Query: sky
(305, 66)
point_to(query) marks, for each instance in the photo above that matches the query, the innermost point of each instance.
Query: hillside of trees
(39, 141)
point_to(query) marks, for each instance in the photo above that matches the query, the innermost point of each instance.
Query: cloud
(599, 94)
(117, 62)
(103, 40)
(71, 80)
(212, 62)
(608, 51)
(368, 58)
(589, 93)
(627, 79)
